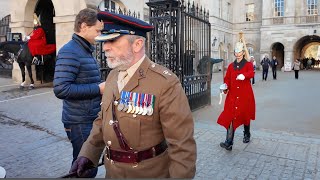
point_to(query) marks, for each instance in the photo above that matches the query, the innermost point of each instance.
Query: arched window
(278, 8)
(312, 7)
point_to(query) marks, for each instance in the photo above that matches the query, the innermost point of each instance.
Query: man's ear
(83, 26)
(137, 45)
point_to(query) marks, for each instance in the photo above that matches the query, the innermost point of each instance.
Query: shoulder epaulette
(163, 71)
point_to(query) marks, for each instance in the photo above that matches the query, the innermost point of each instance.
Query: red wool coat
(239, 106)
(38, 43)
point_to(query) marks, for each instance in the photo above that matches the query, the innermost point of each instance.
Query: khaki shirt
(171, 121)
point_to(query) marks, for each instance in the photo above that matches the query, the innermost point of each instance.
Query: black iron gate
(180, 39)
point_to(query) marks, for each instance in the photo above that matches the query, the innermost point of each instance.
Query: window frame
(250, 15)
(312, 7)
(278, 8)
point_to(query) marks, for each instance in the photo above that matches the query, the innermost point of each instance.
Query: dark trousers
(265, 74)
(246, 129)
(296, 74)
(78, 134)
(274, 73)
(230, 133)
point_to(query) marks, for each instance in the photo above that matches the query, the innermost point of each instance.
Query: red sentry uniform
(38, 43)
(239, 106)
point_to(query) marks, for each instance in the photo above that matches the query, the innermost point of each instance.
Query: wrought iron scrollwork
(180, 39)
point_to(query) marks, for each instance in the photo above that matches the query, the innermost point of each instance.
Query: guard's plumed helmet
(36, 21)
(238, 47)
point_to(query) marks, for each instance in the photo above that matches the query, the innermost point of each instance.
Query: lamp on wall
(214, 41)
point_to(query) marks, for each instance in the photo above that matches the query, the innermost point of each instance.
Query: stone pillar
(64, 29)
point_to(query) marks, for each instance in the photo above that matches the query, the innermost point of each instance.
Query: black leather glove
(84, 168)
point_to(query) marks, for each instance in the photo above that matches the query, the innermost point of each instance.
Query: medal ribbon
(134, 99)
(141, 100)
(126, 98)
(149, 100)
(122, 100)
(138, 99)
(152, 100)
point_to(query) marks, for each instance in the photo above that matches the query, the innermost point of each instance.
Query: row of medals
(128, 106)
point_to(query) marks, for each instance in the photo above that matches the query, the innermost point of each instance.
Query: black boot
(227, 144)
(246, 134)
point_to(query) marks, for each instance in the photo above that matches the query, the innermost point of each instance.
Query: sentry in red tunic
(38, 43)
(239, 106)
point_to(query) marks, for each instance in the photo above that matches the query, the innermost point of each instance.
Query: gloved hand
(240, 77)
(224, 88)
(27, 37)
(84, 168)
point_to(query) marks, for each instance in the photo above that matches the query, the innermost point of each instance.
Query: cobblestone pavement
(34, 145)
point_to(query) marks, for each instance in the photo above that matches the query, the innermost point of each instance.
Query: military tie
(122, 79)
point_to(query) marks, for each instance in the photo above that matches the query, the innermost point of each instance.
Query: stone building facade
(281, 28)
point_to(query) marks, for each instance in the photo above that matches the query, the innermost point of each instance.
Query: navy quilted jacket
(76, 80)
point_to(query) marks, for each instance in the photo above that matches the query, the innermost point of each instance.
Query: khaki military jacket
(171, 121)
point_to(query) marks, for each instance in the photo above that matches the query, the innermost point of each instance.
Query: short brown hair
(88, 16)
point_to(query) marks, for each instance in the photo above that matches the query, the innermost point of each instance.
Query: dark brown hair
(88, 16)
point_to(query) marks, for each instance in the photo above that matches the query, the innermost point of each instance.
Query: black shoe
(226, 145)
(246, 138)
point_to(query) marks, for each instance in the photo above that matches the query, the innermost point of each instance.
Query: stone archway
(45, 11)
(302, 46)
(278, 52)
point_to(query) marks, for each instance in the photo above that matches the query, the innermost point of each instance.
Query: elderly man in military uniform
(145, 127)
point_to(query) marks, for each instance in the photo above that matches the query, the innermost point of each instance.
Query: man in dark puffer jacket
(77, 80)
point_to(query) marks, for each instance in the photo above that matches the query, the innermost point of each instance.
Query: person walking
(265, 67)
(77, 80)
(253, 61)
(296, 68)
(239, 107)
(274, 64)
(145, 124)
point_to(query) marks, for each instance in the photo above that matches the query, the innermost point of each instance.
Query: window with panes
(250, 12)
(312, 7)
(278, 8)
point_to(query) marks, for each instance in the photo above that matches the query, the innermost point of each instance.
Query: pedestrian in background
(296, 68)
(145, 124)
(239, 107)
(274, 64)
(253, 61)
(77, 80)
(265, 62)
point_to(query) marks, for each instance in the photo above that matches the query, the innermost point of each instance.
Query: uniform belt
(136, 156)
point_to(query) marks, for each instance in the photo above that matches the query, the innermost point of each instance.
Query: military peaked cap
(116, 25)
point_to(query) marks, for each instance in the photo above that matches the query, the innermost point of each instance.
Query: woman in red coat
(239, 105)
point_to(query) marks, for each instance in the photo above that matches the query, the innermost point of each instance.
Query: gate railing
(197, 90)
(181, 38)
